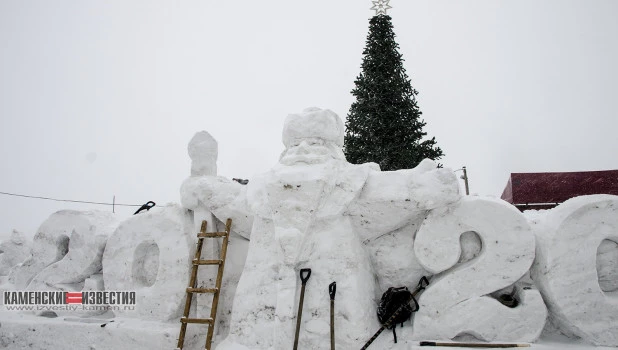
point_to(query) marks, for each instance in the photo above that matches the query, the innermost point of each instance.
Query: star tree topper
(381, 6)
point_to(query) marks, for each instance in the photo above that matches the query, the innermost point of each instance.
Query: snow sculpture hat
(313, 123)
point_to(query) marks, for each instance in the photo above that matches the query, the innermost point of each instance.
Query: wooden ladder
(197, 261)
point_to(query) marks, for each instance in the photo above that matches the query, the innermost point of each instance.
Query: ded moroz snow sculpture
(305, 213)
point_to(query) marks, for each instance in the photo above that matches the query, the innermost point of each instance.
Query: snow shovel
(303, 279)
(332, 288)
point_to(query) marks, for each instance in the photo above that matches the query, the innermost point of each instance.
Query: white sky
(100, 98)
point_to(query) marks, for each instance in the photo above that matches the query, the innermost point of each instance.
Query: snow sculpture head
(203, 152)
(312, 137)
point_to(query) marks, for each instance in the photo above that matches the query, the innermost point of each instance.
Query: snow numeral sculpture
(456, 302)
(66, 251)
(304, 213)
(150, 254)
(565, 269)
(80, 268)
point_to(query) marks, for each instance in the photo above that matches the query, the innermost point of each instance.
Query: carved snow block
(457, 302)
(203, 151)
(52, 244)
(83, 259)
(89, 232)
(13, 251)
(572, 241)
(393, 256)
(151, 254)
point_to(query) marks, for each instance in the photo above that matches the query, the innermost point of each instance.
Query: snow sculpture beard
(311, 151)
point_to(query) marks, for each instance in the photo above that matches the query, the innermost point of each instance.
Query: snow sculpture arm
(392, 199)
(223, 197)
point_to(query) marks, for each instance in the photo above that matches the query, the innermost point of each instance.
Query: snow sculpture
(456, 303)
(565, 270)
(150, 254)
(393, 258)
(13, 251)
(314, 210)
(390, 244)
(50, 244)
(203, 151)
(89, 232)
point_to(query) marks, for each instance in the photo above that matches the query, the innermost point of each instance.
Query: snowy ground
(18, 331)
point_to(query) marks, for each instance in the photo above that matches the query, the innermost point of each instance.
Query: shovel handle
(332, 288)
(305, 278)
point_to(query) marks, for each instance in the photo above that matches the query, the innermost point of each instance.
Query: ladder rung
(202, 290)
(211, 234)
(207, 262)
(196, 320)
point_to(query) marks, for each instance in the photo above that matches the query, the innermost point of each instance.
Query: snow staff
(314, 209)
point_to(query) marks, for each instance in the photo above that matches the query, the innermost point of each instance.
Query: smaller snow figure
(312, 210)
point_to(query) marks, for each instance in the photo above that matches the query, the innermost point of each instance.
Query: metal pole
(466, 180)
(332, 288)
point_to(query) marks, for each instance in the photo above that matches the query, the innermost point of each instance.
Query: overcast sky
(100, 98)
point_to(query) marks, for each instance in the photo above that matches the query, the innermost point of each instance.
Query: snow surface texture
(304, 214)
(13, 251)
(568, 241)
(456, 303)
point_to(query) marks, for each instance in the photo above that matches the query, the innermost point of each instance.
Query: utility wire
(69, 200)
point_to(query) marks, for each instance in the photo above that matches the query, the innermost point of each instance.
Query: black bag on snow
(392, 300)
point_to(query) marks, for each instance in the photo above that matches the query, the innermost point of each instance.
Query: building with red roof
(547, 190)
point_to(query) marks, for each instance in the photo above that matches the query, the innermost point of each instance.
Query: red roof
(535, 188)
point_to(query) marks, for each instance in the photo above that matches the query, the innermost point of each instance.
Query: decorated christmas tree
(384, 124)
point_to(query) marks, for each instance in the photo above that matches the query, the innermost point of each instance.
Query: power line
(69, 200)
